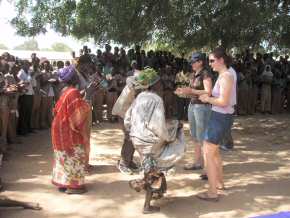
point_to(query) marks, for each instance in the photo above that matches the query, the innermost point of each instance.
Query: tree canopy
(31, 45)
(185, 24)
(3, 46)
(61, 47)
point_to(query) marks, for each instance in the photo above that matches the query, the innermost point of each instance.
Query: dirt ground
(256, 173)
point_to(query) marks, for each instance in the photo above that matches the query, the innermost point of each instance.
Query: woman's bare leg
(198, 160)
(211, 151)
(220, 180)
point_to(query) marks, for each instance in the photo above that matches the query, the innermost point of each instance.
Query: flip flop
(205, 197)
(75, 191)
(203, 177)
(222, 188)
(151, 209)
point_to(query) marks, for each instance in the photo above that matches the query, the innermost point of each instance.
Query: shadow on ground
(256, 173)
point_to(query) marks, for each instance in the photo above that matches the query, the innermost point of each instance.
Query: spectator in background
(47, 95)
(12, 103)
(4, 114)
(182, 80)
(67, 63)
(25, 100)
(266, 89)
(36, 109)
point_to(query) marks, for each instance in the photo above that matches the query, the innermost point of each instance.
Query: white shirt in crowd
(25, 77)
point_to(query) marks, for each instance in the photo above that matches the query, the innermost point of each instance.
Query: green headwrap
(148, 77)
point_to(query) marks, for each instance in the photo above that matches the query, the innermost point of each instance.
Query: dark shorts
(217, 127)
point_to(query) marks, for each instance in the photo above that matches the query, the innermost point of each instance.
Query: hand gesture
(204, 98)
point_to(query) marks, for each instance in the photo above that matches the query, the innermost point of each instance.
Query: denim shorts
(219, 124)
(198, 116)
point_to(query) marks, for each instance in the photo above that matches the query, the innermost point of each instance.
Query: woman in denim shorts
(198, 112)
(222, 100)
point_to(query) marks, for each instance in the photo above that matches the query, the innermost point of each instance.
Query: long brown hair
(220, 52)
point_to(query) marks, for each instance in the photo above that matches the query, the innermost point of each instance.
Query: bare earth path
(256, 172)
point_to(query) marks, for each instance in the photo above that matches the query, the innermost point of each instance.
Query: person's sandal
(71, 191)
(205, 197)
(223, 188)
(62, 189)
(133, 166)
(151, 209)
(123, 168)
(203, 177)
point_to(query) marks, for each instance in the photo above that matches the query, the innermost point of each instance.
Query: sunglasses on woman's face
(211, 60)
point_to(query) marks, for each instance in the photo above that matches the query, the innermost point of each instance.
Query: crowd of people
(69, 97)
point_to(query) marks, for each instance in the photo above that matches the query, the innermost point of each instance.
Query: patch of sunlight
(69, 205)
(223, 214)
(42, 162)
(99, 151)
(238, 142)
(253, 152)
(133, 209)
(33, 155)
(254, 179)
(261, 160)
(267, 198)
(283, 170)
(185, 191)
(283, 153)
(110, 131)
(263, 212)
(41, 180)
(17, 195)
(244, 181)
(238, 128)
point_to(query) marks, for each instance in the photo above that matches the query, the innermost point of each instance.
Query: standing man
(4, 114)
(266, 91)
(25, 100)
(126, 164)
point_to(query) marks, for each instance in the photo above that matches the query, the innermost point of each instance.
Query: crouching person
(145, 121)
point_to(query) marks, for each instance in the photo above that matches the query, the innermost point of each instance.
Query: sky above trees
(10, 39)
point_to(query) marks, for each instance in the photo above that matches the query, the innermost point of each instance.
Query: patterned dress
(70, 139)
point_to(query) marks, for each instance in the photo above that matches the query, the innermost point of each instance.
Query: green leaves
(31, 45)
(185, 24)
(147, 77)
(61, 47)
